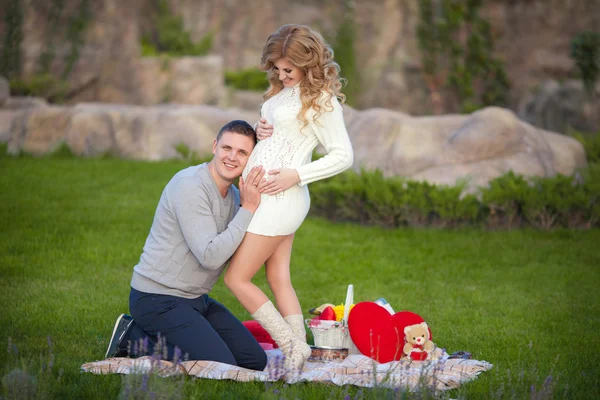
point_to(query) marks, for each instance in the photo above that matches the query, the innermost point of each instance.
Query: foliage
(40, 85)
(591, 145)
(370, 198)
(558, 201)
(457, 47)
(53, 22)
(591, 178)
(170, 37)
(74, 35)
(508, 201)
(190, 156)
(10, 61)
(585, 50)
(247, 79)
(504, 198)
(76, 29)
(44, 83)
(345, 54)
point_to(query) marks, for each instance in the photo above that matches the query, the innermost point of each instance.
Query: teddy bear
(418, 345)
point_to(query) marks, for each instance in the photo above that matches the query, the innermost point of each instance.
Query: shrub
(504, 198)
(508, 201)
(453, 210)
(169, 36)
(458, 57)
(247, 79)
(591, 187)
(591, 145)
(10, 55)
(550, 201)
(190, 156)
(345, 53)
(41, 85)
(585, 51)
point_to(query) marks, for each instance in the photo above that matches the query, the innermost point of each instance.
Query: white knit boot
(296, 351)
(296, 322)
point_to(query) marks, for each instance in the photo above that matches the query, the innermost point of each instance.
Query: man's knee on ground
(257, 363)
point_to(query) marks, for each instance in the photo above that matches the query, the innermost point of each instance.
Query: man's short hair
(240, 127)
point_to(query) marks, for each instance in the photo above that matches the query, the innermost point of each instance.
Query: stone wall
(532, 36)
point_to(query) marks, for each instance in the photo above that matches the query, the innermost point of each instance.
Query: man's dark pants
(202, 328)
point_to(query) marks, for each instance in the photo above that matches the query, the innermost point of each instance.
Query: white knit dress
(288, 147)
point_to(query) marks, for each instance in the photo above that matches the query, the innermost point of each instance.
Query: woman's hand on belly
(279, 180)
(264, 130)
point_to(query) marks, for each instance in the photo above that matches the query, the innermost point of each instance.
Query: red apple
(328, 314)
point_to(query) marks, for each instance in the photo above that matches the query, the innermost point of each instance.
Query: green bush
(417, 208)
(509, 201)
(504, 198)
(451, 209)
(177, 46)
(192, 157)
(380, 201)
(3, 149)
(591, 145)
(169, 37)
(247, 79)
(591, 186)
(10, 55)
(345, 53)
(42, 85)
(458, 57)
(585, 51)
(554, 201)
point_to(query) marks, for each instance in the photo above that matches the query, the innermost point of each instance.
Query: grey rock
(23, 102)
(446, 149)
(4, 91)
(441, 150)
(561, 107)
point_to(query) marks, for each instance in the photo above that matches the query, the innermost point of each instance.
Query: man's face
(231, 154)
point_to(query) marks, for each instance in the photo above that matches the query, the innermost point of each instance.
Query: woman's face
(289, 74)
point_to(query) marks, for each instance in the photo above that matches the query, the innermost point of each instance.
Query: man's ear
(214, 146)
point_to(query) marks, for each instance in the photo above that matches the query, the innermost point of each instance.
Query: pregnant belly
(264, 154)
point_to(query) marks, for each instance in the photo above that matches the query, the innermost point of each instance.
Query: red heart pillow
(377, 333)
(260, 334)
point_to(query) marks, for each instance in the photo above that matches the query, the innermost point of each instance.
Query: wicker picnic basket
(334, 334)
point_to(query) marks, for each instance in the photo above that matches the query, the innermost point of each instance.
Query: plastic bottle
(383, 303)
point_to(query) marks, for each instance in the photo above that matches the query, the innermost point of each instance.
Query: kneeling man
(200, 221)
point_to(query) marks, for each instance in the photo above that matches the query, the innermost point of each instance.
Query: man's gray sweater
(194, 233)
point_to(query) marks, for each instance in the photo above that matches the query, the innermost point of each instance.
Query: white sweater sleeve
(331, 132)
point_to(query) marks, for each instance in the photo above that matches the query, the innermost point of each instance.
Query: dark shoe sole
(113, 344)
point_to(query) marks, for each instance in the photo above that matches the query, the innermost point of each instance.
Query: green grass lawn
(72, 229)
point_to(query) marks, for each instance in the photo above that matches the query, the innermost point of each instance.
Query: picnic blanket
(443, 374)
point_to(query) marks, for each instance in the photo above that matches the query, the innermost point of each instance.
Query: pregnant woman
(301, 110)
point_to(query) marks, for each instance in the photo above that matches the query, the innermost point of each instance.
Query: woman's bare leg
(278, 276)
(245, 263)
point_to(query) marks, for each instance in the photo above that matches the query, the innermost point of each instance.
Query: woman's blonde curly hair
(307, 50)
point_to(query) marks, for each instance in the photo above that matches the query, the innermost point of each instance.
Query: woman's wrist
(298, 180)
